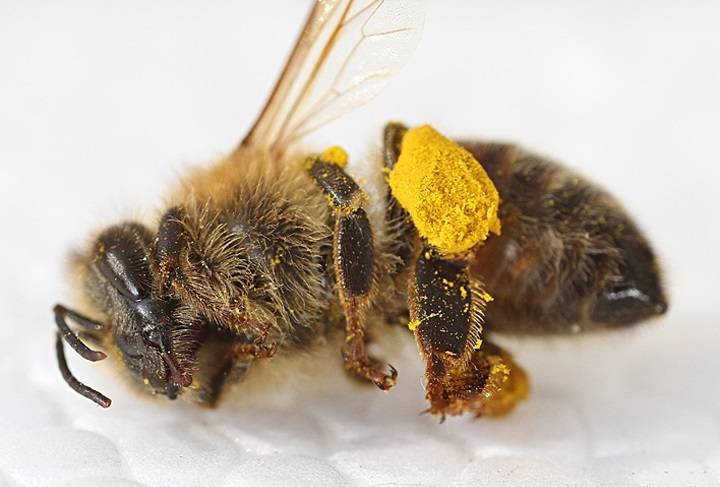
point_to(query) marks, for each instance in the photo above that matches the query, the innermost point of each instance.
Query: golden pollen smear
(449, 196)
(335, 155)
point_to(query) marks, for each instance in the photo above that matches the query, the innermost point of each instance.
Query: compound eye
(122, 259)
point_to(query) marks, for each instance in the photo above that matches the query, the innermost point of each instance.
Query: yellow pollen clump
(507, 385)
(486, 297)
(501, 370)
(413, 324)
(335, 155)
(477, 344)
(449, 196)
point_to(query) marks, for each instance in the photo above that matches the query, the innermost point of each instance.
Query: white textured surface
(100, 106)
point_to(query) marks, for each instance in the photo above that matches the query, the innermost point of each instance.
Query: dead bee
(270, 251)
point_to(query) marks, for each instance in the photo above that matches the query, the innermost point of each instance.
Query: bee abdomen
(569, 257)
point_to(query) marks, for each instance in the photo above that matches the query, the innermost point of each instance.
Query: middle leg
(354, 259)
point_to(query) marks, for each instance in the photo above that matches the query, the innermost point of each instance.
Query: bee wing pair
(346, 53)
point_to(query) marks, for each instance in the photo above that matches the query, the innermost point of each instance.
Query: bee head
(141, 322)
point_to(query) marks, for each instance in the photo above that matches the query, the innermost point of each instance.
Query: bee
(272, 251)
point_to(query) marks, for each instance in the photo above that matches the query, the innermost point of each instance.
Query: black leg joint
(343, 192)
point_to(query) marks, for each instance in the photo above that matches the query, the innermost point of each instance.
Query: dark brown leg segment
(169, 245)
(393, 134)
(400, 229)
(463, 374)
(353, 250)
(234, 361)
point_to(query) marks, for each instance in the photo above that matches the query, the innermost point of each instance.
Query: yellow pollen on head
(477, 344)
(449, 196)
(486, 296)
(413, 324)
(335, 155)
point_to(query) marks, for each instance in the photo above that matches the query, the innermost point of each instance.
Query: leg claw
(384, 381)
(365, 367)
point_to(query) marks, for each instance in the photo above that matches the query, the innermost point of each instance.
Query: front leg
(354, 260)
(225, 363)
(463, 374)
(196, 278)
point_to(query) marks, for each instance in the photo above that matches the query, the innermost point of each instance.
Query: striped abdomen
(569, 257)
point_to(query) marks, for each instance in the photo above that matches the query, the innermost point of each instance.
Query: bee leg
(169, 255)
(225, 362)
(399, 227)
(354, 258)
(353, 247)
(463, 374)
(393, 134)
(170, 241)
(255, 350)
(229, 369)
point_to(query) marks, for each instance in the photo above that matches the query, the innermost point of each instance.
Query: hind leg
(463, 373)
(447, 308)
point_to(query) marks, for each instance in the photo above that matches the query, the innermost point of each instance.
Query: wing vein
(338, 63)
(316, 68)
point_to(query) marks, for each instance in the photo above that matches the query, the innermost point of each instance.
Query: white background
(103, 104)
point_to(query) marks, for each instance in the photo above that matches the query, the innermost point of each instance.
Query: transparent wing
(345, 54)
